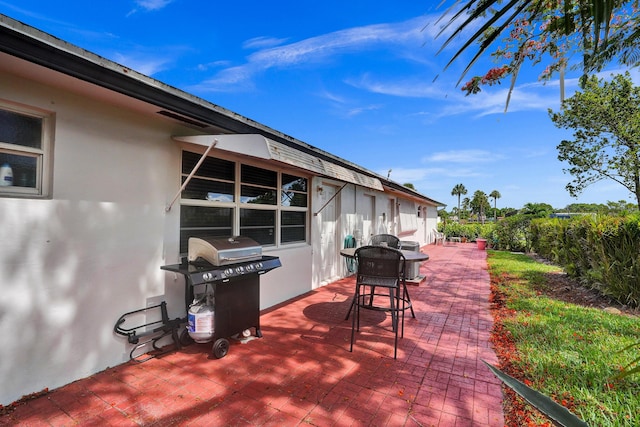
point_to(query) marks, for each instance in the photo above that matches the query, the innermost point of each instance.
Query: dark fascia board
(35, 46)
(45, 50)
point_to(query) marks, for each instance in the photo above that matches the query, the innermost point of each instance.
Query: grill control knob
(228, 271)
(207, 276)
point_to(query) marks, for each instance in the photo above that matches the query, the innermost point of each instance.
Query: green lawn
(566, 351)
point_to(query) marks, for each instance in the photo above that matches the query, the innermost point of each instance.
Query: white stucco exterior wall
(362, 212)
(73, 264)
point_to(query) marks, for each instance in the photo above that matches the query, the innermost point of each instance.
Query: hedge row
(603, 252)
(471, 231)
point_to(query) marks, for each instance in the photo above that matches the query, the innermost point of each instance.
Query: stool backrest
(391, 240)
(379, 265)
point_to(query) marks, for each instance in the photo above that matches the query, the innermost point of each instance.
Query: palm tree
(495, 195)
(466, 202)
(479, 203)
(459, 190)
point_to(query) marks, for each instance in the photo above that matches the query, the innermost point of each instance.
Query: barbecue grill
(229, 268)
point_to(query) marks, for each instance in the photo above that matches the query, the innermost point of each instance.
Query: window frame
(237, 205)
(43, 155)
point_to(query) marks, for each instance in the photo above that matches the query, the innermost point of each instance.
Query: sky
(363, 80)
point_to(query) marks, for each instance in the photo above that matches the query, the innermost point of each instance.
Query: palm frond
(592, 19)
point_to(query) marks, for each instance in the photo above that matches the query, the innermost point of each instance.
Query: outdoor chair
(393, 242)
(389, 239)
(440, 237)
(380, 268)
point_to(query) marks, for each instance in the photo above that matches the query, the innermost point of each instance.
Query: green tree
(466, 204)
(605, 118)
(587, 208)
(495, 195)
(537, 210)
(621, 207)
(592, 33)
(459, 190)
(479, 204)
(509, 212)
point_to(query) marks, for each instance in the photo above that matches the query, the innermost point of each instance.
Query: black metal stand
(154, 331)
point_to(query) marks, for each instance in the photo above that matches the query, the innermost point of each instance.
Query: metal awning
(264, 148)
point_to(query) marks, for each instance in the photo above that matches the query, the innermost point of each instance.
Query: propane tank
(200, 320)
(6, 175)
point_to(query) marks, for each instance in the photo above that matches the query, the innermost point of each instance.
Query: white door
(329, 250)
(368, 219)
(392, 217)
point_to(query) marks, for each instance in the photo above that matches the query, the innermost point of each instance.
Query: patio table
(409, 256)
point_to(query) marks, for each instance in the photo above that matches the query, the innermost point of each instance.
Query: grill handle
(249, 257)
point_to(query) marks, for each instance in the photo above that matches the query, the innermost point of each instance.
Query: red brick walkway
(301, 371)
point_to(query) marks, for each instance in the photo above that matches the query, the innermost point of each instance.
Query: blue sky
(354, 78)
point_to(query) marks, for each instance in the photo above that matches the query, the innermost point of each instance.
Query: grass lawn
(564, 350)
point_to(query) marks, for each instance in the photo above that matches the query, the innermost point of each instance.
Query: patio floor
(301, 371)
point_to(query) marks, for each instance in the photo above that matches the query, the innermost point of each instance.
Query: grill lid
(224, 251)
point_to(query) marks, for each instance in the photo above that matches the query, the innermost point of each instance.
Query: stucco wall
(71, 265)
(362, 213)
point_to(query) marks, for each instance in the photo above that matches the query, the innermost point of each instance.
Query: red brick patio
(301, 371)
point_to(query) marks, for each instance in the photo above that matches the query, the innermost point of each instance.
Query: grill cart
(223, 275)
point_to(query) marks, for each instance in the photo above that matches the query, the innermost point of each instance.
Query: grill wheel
(221, 348)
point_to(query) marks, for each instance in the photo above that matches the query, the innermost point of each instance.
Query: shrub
(603, 252)
(512, 233)
(471, 231)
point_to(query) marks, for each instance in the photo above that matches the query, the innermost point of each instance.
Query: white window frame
(237, 205)
(42, 188)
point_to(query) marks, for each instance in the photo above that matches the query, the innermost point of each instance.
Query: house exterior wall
(362, 212)
(71, 265)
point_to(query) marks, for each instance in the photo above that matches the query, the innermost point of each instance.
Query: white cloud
(214, 64)
(360, 110)
(153, 4)
(149, 5)
(407, 88)
(262, 42)
(145, 65)
(320, 49)
(463, 156)
(333, 97)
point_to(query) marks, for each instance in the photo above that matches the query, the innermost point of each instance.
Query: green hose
(350, 242)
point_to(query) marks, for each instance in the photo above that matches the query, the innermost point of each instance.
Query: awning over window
(264, 148)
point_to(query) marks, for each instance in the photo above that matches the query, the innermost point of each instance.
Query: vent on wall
(182, 119)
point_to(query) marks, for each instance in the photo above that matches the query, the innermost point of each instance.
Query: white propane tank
(6, 175)
(201, 321)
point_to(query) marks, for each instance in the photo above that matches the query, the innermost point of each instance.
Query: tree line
(478, 205)
(478, 208)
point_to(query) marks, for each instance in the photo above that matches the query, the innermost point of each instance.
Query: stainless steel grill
(229, 268)
(224, 251)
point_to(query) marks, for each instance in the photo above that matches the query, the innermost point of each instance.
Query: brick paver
(301, 371)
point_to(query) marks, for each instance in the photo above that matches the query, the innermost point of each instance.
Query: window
(226, 198)
(24, 152)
